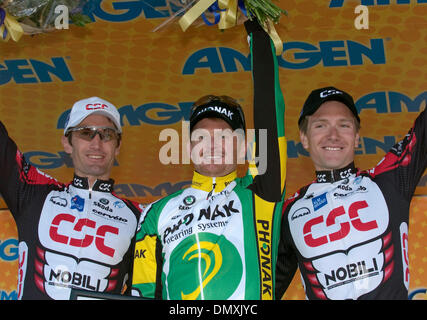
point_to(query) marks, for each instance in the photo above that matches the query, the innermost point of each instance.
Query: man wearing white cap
(96, 124)
(77, 235)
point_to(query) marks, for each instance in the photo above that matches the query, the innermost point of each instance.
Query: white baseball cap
(94, 105)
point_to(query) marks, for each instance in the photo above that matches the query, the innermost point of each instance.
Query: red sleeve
(17, 176)
(406, 161)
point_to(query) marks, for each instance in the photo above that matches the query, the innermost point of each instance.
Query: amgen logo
(296, 55)
(23, 71)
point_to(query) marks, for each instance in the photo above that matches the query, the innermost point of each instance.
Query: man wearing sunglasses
(77, 235)
(218, 238)
(92, 137)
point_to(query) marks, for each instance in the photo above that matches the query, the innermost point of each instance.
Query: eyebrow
(327, 120)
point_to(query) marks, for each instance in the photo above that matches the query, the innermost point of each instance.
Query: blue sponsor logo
(340, 3)
(418, 291)
(319, 201)
(217, 60)
(77, 203)
(118, 204)
(366, 146)
(391, 101)
(24, 71)
(4, 295)
(296, 55)
(9, 250)
(124, 11)
(164, 114)
(331, 54)
(47, 160)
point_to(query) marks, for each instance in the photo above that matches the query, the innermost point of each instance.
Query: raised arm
(406, 162)
(8, 171)
(269, 111)
(16, 175)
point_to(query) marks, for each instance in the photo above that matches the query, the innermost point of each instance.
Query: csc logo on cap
(96, 106)
(329, 92)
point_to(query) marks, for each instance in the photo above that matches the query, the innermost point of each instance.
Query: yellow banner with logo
(376, 53)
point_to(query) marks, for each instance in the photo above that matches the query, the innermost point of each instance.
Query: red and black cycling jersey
(70, 235)
(348, 230)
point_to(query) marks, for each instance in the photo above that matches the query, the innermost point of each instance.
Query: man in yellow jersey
(218, 238)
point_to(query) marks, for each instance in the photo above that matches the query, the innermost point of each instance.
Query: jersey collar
(330, 176)
(209, 184)
(99, 185)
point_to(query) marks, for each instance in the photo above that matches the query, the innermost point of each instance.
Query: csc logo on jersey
(344, 227)
(221, 264)
(67, 223)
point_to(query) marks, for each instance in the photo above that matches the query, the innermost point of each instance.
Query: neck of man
(333, 175)
(212, 184)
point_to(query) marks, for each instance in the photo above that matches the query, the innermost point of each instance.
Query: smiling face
(92, 159)
(331, 136)
(215, 149)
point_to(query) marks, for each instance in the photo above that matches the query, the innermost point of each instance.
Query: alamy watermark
(362, 20)
(222, 146)
(63, 18)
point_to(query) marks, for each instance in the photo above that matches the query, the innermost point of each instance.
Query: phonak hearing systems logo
(221, 264)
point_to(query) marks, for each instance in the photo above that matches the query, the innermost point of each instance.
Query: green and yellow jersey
(218, 238)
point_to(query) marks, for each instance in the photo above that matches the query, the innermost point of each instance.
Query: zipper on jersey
(199, 253)
(199, 249)
(85, 214)
(213, 188)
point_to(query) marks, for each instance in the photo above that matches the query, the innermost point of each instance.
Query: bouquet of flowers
(263, 10)
(19, 17)
(228, 13)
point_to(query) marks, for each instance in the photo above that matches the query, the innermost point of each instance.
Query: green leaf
(264, 10)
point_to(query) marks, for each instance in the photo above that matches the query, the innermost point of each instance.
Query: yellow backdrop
(153, 77)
